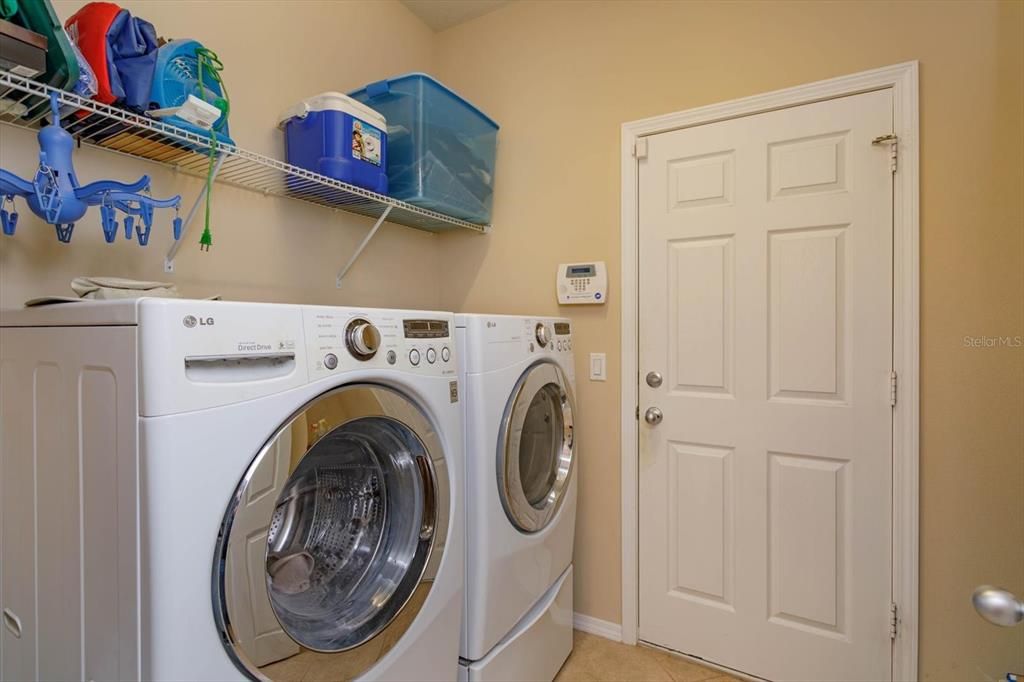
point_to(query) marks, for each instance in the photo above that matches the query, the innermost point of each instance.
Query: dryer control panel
(494, 342)
(563, 336)
(545, 334)
(342, 339)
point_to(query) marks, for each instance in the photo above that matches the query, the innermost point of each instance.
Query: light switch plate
(598, 367)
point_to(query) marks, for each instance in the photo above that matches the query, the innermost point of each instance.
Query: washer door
(535, 447)
(325, 545)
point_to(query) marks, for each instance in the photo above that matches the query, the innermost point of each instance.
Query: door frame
(902, 80)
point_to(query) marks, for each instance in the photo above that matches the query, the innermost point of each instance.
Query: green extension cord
(206, 241)
(210, 64)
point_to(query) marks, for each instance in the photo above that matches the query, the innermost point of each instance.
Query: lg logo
(191, 321)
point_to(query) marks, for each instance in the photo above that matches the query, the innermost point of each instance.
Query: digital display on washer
(581, 271)
(426, 329)
(562, 328)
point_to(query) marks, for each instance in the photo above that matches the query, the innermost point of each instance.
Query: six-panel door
(766, 304)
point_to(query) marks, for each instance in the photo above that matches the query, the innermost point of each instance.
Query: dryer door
(342, 559)
(535, 447)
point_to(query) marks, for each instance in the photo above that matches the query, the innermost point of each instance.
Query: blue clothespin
(146, 218)
(10, 222)
(8, 219)
(64, 232)
(108, 219)
(143, 233)
(50, 199)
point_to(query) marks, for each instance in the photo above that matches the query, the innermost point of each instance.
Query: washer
(197, 490)
(521, 454)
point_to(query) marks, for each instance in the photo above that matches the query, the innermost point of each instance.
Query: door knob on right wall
(998, 606)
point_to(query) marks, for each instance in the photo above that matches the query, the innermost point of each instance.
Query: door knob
(653, 379)
(998, 606)
(653, 416)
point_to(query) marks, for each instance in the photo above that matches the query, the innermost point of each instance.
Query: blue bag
(131, 59)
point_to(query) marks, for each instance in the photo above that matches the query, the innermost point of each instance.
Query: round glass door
(535, 454)
(326, 543)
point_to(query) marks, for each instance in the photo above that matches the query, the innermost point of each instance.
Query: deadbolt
(653, 416)
(653, 379)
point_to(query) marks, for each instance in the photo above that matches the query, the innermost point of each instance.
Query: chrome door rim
(393, 405)
(524, 515)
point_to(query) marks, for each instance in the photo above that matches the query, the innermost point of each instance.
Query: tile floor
(595, 659)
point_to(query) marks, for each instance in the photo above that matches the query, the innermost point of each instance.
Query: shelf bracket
(176, 246)
(362, 246)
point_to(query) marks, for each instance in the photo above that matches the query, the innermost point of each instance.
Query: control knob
(543, 338)
(362, 339)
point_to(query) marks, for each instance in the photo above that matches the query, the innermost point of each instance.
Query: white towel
(108, 288)
(105, 288)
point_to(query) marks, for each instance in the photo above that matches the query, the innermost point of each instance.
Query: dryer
(197, 490)
(521, 461)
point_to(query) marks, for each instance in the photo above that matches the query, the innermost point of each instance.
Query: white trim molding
(596, 626)
(902, 79)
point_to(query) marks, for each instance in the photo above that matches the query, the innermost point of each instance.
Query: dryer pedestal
(536, 647)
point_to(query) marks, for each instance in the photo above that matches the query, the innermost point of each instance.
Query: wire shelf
(24, 103)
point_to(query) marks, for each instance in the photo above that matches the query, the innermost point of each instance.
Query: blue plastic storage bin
(441, 148)
(334, 135)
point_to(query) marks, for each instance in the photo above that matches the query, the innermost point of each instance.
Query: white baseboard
(596, 626)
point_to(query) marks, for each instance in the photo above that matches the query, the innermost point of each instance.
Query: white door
(255, 623)
(766, 306)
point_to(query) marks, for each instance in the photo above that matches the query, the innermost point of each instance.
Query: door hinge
(640, 148)
(893, 142)
(893, 620)
(638, 413)
(893, 383)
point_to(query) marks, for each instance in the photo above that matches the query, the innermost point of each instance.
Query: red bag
(88, 28)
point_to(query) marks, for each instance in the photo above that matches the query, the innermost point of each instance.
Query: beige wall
(265, 248)
(561, 77)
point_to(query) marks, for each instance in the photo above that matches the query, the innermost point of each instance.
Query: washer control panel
(340, 339)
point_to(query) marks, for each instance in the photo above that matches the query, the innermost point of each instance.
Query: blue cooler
(334, 135)
(442, 147)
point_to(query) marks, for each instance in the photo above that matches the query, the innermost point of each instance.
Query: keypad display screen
(426, 329)
(562, 328)
(581, 271)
